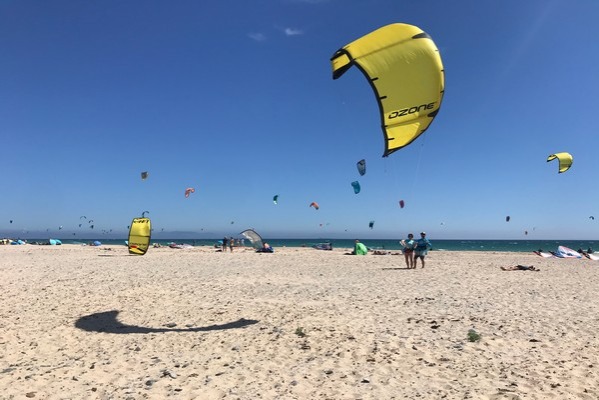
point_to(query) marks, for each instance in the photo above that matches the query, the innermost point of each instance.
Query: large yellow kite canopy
(565, 160)
(139, 236)
(405, 70)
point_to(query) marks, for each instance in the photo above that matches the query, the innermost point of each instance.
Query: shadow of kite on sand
(107, 322)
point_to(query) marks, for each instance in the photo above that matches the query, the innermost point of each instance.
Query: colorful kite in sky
(189, 191)
(405, 70)
(565, 160)
(361, 165)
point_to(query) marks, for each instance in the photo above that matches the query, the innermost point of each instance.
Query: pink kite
(189, 191)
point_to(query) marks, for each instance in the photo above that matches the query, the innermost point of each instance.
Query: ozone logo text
(407, 111)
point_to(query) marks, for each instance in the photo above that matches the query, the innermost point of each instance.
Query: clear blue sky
(236, 99)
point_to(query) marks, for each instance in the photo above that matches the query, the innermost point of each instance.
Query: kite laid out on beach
(356, 186)
(404, 68)
(139, 236)
(275, 199)
(253, 237)
(315, 205)
(565, 160)
(566, 252)
(189, 191)
(361, 165)
(144, 175)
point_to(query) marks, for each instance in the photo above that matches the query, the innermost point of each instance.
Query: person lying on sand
(381, 252)
(519, 268)
(266, 248)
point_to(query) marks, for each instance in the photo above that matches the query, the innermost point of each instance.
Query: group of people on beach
(411, 249)
(415, 249)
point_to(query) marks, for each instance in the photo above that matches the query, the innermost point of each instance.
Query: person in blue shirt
(421, 249)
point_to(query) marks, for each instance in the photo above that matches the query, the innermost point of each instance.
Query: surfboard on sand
(543, 254)
(594, 257)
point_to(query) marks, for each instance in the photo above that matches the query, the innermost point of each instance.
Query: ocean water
(386, 244)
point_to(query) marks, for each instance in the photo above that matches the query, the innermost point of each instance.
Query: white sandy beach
(96, 323)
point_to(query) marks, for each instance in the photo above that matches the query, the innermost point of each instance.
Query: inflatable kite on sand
(139, 235)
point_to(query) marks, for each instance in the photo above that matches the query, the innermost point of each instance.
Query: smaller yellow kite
(565, 160)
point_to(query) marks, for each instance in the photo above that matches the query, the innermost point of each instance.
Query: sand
(82, 322)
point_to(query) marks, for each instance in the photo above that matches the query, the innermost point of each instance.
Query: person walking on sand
(421, 249)
(408, 250)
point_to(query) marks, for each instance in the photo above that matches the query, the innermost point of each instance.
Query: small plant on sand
(473, 336)
(300, 332)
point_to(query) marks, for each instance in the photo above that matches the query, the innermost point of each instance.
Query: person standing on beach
(225, 240)
(231, 243)
(408, 250)
(421, 249)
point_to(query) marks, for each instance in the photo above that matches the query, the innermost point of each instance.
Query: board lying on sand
(593, 257)
(543, 254)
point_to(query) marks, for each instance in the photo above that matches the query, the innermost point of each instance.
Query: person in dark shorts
(408, 250)
(421, 249)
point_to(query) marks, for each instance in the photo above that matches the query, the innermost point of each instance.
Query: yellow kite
(565, 160)
(405, 70)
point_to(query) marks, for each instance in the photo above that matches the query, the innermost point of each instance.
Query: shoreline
(519, 246)
(94, 322)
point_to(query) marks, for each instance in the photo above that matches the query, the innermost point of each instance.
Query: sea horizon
(509, 245)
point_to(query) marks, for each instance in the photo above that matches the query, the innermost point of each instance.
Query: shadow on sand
(107, 322)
